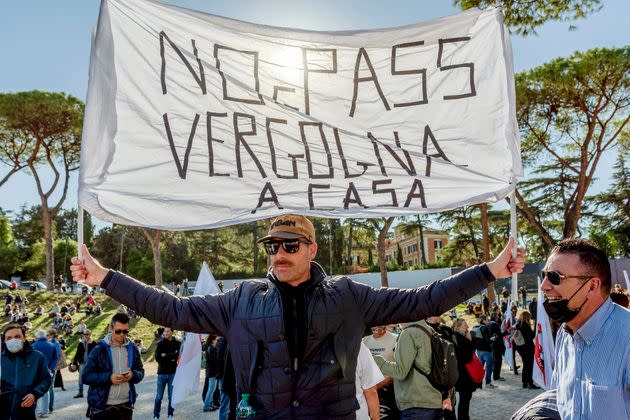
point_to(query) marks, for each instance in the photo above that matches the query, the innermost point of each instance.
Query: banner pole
(514, 234)
(80, 232)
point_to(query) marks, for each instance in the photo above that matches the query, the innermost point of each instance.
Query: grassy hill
(98, 325)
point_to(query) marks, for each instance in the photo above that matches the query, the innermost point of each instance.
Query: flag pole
(80, 232)
(514, 234)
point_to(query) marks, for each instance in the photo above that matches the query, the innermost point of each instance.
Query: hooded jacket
(98, 369)
(337, 311)
(23, 373)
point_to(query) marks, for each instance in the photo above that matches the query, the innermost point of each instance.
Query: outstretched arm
(200, 314)
(388, 306)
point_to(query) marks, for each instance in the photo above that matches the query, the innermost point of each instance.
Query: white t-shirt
(383, 346)
(368, 374)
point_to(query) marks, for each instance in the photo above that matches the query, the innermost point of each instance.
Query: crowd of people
(303, 345)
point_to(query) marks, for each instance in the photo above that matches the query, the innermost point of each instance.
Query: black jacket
(496, 337)
(528, 334)
(251, 318)
(464, 348)
(80, 355)
(210, 353)
(166, 355)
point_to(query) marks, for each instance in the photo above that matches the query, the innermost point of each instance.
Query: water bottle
(244, 409)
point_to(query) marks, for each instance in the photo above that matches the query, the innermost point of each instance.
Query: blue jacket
(49, 350)
(99, 367)
(23, 373)
(338, 310)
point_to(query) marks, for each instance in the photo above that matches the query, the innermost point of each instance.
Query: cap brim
(281, 235)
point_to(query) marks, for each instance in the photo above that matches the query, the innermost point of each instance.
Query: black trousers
(463, 409)
(497, 361)
(527, 355)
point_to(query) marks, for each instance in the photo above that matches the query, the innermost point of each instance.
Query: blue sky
(45, 45)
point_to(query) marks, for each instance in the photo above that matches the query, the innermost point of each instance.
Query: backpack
(444, 370)
(479, 334)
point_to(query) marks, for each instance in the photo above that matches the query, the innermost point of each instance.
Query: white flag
(544, 353)
(195, 121)
(507, 324)
(186, 379)
(625, 275)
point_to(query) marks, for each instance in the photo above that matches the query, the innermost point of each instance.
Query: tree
(51, 124)
(614, 224)
(525, 16)
(571, 111)
(382, 227)
(8, 249)
(411, 226)
(14, 151)
(464, 224)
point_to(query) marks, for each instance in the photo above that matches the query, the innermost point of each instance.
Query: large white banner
(544, 346)
(197, 121)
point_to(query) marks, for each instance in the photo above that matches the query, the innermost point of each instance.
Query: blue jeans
(207, 401)
(163, 379)
(42, 402)
(486, 360)
(51, 392)
(224, 408)
(421, 414)
(80, 381)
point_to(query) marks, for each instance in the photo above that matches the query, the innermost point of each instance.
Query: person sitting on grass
(39, 311)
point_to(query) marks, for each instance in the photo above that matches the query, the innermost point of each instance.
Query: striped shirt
(592, 373)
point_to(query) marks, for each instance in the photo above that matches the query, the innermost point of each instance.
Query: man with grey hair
(85, 346)
(51, 355)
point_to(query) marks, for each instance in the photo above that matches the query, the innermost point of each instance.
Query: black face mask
(559, 311)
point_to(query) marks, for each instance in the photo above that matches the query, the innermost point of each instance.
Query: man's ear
(596, 285)
(312, 250)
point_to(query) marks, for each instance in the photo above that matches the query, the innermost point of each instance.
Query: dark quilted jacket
(98, 369)
(338, 311)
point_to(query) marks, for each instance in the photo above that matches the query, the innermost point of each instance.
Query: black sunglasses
(290, 246)
(118, 332)
(554, 277)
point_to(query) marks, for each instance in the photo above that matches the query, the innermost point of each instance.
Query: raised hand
(504, 264)
(90, 271)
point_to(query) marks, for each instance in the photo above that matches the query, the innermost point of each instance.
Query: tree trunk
(382, 236)
(255, 248)
(423, 253)
(485, 234)
(48, 239)
(154, 239)
(349, 249)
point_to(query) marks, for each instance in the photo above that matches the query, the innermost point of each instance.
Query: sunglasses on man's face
(554, 277)
(118, 332)
(290, 246)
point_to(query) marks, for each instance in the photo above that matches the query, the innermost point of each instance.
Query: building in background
(409, 244)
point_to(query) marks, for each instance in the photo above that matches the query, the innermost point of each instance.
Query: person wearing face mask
(25, 376)
(592, 371)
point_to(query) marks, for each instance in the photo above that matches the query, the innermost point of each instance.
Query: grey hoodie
(119, 394)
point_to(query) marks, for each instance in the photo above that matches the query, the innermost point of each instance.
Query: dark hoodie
(23, 373)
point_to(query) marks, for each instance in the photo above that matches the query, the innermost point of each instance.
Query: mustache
(282, 262)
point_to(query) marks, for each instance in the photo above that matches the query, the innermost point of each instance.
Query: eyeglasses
(290, 246)
(554, 277)
(118, 332)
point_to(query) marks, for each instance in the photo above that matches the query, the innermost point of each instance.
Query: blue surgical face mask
(14, 345)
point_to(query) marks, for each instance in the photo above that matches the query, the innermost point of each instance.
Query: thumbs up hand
(89, 270)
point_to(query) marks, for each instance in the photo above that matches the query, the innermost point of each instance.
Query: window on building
(415, 247)
(437, 244)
